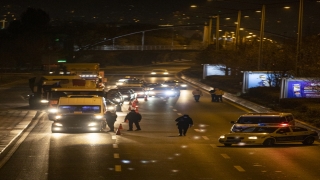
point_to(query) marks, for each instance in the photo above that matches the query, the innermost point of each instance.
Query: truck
(51, 87)
(80, 113)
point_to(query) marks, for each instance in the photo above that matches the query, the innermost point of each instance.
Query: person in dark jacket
(133, 117)
(183, 123)
(111, 118)
(213, 95)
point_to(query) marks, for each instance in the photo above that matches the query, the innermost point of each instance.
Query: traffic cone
(118, 132)
(120, 126)
(145, 98)
(137, 110)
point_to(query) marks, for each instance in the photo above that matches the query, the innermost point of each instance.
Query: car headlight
(164, 85)
(110, 108)
(252, 137)
(52, 110)
(183, 85)
(222, 136)
(119, 83)
(44, 101)
(58, 124)
(58, 117)
(169, 92)
(92, 124)
(153, 73)
(151, 92)
(165, 73)
(98, 117)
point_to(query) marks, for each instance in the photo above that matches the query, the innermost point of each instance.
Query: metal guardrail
(143, 47)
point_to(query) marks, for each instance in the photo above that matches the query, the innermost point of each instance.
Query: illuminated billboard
(213, 69)
(253, 79)
(300, 88)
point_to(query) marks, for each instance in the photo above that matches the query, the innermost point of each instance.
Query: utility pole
(217, 32)
(237, 30)
(261, 36)
(299, 39)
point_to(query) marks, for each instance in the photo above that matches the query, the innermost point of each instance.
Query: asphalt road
(156, 152)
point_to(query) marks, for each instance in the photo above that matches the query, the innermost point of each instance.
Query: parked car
(267, 118)
(270, 135)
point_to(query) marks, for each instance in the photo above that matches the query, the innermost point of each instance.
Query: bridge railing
(145, 47)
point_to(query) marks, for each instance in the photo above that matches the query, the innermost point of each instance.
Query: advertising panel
(213, 69)
(253, 79)
(300, 88)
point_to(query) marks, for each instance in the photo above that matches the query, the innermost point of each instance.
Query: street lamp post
(261, 37)
(299, 39)
(217, 32)
(238, 29)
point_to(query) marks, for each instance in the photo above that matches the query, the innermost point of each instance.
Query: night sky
(176, 12)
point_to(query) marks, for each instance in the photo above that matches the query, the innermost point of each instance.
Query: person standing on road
(133, 117)
(196, 94)
(111, 119)
(183, 123)
(213, 95)
(219, 94)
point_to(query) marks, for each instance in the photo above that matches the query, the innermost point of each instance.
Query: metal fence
(145, 47)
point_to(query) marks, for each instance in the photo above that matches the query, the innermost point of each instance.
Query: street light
(299, 39)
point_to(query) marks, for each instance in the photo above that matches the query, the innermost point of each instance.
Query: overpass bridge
(109, 44)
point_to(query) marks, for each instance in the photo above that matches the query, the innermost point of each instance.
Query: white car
(270, 135)
(159, 72)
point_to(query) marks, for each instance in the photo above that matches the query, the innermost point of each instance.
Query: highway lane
(157, 152)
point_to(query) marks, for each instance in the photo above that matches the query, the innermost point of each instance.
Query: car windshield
(80, 109)
(264, 129)
(257, 120)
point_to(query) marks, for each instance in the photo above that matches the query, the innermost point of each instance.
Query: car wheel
(228, 145)
(269, 142)
(308, 141)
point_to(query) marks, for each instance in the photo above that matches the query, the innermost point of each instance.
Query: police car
(270, 135)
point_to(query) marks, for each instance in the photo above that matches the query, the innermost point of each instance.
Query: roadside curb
(16, 133)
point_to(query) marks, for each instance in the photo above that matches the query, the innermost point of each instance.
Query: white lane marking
(174, 110)
(117, 168)
(116, 155)
(205, 137)
(179, 114)
(225, 156)
(239, 168)
(115, 145)
(213, 145)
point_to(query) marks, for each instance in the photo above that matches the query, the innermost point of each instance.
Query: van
(80, 113)
(265, 119)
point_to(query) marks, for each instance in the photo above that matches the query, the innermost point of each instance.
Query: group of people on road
(183, 122)
(216, 94)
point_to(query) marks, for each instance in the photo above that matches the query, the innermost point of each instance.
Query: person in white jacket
(196, 94)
